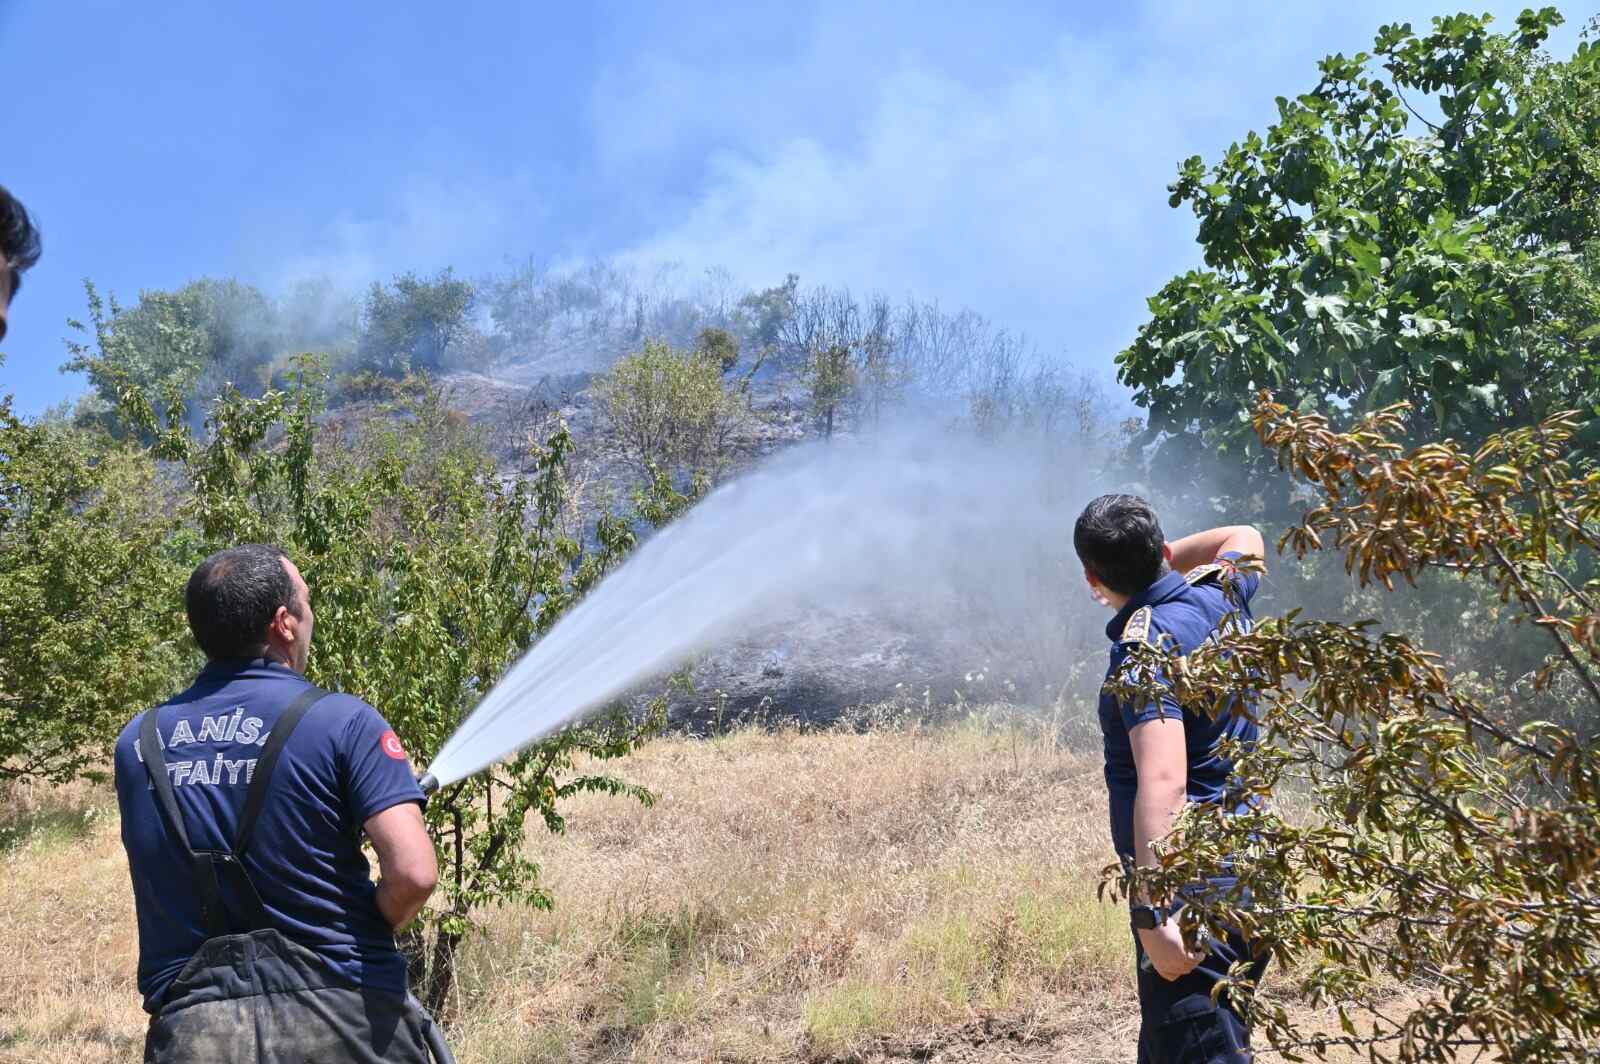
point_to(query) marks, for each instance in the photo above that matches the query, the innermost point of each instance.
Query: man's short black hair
(233, 596)
(1119, 540)
(19, 237)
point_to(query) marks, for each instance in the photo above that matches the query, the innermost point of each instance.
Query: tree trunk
(441, 972)
(414, 948)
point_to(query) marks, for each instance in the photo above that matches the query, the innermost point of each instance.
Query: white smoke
(950, 529)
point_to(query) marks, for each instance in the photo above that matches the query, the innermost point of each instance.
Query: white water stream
(823, 524)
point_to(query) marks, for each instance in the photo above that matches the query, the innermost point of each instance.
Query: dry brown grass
(66, 921)
(888, 895)
(807, 895)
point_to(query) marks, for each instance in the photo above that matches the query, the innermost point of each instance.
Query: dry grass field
(897, 894)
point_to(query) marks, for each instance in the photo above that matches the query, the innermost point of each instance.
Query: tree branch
(1531, 601)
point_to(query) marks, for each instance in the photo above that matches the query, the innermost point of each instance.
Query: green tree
(673, 411)
(766, 312)
(245, 332)
(158, 347)
(719, 346)
(1420, 226)
(1453, 843)
(846, 355)
(411, 324)
(830, 377)
(88, 626)
(196, 341)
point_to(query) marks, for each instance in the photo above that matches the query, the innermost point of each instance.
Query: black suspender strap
(155, 762)
(260, 780)
(208, 865)
(212, 910)
(262, 777)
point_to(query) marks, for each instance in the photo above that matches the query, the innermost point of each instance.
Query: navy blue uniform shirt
(1177, 612)
(341, 766)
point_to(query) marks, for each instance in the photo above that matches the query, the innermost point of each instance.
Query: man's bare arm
(1161, 757)
(407, 868)
(1202, 548)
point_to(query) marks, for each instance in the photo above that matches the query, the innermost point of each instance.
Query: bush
(88, 623)
(410, 324)
(672, 410)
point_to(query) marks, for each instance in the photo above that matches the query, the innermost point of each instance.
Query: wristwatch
(1147, 917)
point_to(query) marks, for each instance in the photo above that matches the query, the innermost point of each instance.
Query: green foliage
(672, 410)
(719, 346)
(244, 335)
(769, 310)
(411, 324)
(854, 356)
(1455, 843)
(830, 376)
(1362, 253)
(159, 348)
(88, 628)
(191, 344)
(369, 385)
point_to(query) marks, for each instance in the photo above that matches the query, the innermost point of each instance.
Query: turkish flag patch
(391, 745)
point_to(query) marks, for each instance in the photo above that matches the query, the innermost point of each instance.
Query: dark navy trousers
(1180, 1024)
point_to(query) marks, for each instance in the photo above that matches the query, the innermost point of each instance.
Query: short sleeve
(1132, 717)
(1246, 581)
(123, 758)
(379, 774)
(1163, 709)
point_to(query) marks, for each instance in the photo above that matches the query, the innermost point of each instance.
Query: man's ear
(1097, 590)
(280, 624)
(1166, 552)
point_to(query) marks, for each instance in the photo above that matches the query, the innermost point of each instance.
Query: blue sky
(1010, 157)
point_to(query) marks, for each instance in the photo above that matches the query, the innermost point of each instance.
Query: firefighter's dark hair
(1119, 540)
(19, 238)
(232, 597)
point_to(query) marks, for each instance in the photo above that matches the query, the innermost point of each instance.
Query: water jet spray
(821, 526)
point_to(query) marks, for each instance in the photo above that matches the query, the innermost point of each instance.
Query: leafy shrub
(672, 410)
(88, 625)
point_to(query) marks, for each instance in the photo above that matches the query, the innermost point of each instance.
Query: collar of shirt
(1164, 588)
(220, 670)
